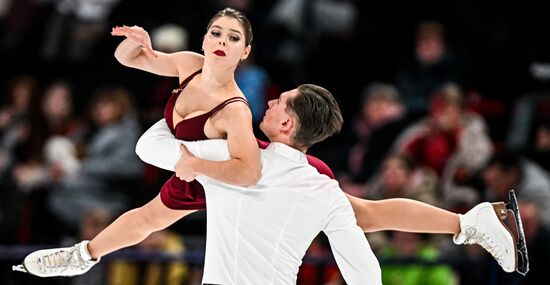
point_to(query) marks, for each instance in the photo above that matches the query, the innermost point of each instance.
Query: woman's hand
(184, 166)
(136, 34)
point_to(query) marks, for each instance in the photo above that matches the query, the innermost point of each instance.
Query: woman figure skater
(207, 104)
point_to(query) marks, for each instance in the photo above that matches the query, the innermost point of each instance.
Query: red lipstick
(219, 53)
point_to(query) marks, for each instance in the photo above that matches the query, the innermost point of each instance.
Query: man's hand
(184, 166)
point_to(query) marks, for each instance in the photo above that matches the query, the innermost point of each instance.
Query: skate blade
(523, 257)
(19, 268)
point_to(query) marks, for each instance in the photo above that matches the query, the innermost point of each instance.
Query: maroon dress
(178, 194)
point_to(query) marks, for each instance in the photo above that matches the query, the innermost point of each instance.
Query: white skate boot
(484, 225)
(65, 261)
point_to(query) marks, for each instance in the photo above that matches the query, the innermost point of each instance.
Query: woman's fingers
(127, 32)
(119, 31)
(137, 34)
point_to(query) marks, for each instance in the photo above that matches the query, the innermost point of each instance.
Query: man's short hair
(430, 29)
(506, 160)
(381, 91)
(451, 93)
(318, 115)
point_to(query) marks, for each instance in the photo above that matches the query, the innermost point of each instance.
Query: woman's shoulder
(234, 107)
(234, 100)
(187, 62)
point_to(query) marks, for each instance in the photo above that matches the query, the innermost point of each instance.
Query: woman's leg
(134, 226)
(403, 215)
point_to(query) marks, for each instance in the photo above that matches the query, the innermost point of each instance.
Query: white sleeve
(349, 245)
(158, 147)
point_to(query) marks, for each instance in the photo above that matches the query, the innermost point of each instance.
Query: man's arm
(349, 245)
(158, 147)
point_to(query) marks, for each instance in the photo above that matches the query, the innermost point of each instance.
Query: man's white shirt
(259, 234)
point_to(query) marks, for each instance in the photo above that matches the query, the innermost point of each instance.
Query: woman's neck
(217, 78)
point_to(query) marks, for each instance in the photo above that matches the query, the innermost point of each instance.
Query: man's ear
(287, 126)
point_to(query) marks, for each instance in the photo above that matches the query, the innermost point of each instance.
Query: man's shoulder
(317, 163)
(262, 144)
(320, 165)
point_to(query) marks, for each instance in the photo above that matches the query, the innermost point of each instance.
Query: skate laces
(485, 241)
(62, 260)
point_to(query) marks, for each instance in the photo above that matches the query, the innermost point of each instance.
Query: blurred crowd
(430, 114)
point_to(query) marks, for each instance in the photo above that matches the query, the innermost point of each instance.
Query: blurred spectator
(508, 170)
(380, 121)
(58, 110)
(537, 236)
(21, 141)
(122, 272)
(131, 272)
(93, 223)
(110, 169)
(254, 81)
(529, 112)
(401, 178)
(4, 6)
(167, 38)
(60, 130)
(170, 38)
(65, 130)
(45, 162)
(16, 117)
(75, 28)
(432, 65)
(413, 249)
(319, 272)
(22, 22)
(540, 151)
(452, 141)
(297, 27)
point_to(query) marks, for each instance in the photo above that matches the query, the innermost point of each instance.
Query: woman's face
(394, 173)
(57, 103)
(22, 96)
(224, 43)
(105, 112)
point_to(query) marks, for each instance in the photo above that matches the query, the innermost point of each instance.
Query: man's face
(498, 181)
(430, 49)
(446, 116)
(378, 111)
(276, 117)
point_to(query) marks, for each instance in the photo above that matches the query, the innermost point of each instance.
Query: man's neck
(288, 143)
